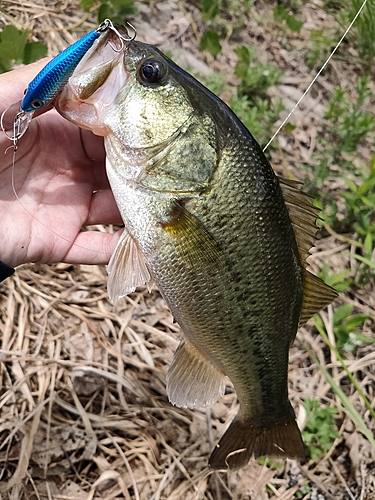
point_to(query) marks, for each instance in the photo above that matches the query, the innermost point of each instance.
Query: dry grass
(83, 409)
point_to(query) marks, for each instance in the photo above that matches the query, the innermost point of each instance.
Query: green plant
(348, 123)
(302, 492)
(14, 47)
(215, 82)
(221, 17)
(320, 430)
(339, 281)
(319, 48)
(282, 14)
(358, 206)
(348, 120)
(210, 42)
(255, 77)
(258, 115)
(362, 34)
(116, 10)
(251, 102)
(271, 463)
(347, 328)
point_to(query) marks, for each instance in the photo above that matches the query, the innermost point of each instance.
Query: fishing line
(316, 76)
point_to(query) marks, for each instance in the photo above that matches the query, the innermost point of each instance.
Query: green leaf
(289, 127)
(342, 312)
(86, 4)
(209, 9)
(368, 262)
(294, 24)
(280, 14)
(123, 7)
(369, 244)
(244, 58)
(12, 45)
(356, 321)
(348, 405)
(210, 43)
(104, 12)
(34, 51)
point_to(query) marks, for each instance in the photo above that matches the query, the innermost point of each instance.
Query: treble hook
(134, 31)
(124, 40)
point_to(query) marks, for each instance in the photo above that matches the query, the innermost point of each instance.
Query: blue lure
(50, 81)
(52, 78)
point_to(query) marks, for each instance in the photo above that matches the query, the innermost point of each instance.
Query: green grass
(320, 429)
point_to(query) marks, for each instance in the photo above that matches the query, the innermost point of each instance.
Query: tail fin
(243, 439)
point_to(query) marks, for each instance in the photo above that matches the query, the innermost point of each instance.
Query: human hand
(61, 185)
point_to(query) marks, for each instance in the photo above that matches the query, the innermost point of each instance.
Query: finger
(92, 247)
(103, 209)
(93, 145)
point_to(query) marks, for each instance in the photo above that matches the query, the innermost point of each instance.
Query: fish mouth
(91, 90)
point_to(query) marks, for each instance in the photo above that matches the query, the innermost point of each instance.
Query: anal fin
(244, 439)
(192, 380)
(127, 268)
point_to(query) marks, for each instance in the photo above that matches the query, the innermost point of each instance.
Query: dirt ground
(83, 408)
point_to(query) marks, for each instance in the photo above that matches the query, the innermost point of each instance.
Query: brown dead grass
(83, 409)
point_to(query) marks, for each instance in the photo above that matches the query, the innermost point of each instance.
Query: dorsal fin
(316, 296)
(303, 215)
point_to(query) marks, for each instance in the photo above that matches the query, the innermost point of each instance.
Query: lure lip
(15, 122)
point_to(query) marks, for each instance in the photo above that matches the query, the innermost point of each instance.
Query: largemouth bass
(224, 239)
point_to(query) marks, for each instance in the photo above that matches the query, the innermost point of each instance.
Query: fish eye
(37, 103)
(152, 71)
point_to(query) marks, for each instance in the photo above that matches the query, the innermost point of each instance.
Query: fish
(224, 239)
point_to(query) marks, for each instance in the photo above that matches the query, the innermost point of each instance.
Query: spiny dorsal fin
(303, 215)
(192, 380)
(127, 268)
(316, 296)
(193, 242)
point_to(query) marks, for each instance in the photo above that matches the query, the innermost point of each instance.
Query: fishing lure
(50, 81)
(52, 78)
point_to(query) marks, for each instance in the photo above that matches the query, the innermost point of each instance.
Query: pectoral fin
(193, 242)
(127, 268)
(192, 380)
